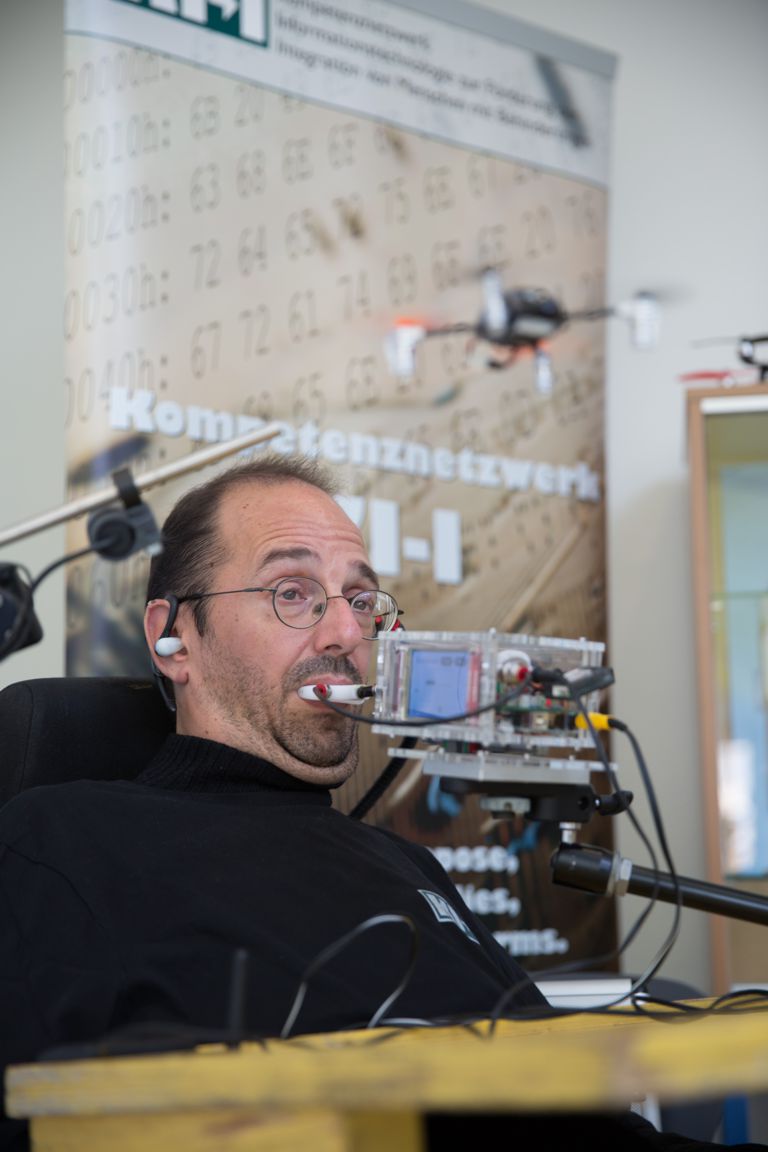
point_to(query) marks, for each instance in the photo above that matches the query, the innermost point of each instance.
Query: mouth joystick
(339, 693)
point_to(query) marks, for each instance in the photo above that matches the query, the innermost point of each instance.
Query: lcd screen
(439, 683)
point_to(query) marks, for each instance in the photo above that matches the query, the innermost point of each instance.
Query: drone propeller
(400, 346)
(643, 312)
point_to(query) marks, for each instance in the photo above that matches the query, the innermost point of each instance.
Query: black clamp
(117, 532)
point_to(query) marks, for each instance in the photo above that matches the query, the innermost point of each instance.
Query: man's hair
(192, 545)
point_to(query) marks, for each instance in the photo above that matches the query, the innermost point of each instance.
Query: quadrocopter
(520, 319)
(751, 350)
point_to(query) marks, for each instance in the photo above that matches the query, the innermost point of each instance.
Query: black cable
(673, 933)
(661, 835)
(390, 772)
(497, 705)
(396, 764)
(337, 946)
(238, 997)
(653, 898)
(494, 706)
(636, 985)
(387, 776)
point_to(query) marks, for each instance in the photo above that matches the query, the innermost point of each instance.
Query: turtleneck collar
(188, 763)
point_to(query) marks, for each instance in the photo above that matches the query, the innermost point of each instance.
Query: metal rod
(148, 480)
(594, 870)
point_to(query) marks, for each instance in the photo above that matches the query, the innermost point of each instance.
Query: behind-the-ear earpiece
(167, 645)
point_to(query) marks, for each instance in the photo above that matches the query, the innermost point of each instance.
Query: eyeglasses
(300, 602)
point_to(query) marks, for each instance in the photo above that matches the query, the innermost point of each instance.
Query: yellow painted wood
(335, 1081)
(384, 1068)
(384, 1132)
(230, 1130)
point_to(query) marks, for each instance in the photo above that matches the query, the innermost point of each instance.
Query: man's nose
(339, 623)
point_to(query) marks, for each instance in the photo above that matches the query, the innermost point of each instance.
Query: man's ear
(159, 622)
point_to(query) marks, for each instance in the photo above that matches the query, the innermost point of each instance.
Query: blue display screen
(439, 683)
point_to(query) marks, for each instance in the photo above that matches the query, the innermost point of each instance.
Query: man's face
(244, 672)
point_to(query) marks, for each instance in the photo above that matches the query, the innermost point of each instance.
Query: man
(129, 905)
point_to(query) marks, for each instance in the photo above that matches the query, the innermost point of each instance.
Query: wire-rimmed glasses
(299, 602)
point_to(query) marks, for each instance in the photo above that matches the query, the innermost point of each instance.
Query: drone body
(525, 317)
(516, 320)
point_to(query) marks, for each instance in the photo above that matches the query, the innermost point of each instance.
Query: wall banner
(257, 193)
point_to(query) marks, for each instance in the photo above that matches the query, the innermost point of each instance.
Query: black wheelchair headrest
(57, 729)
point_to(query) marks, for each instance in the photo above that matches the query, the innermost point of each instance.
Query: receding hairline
(271, 469)
(243, 483)
(238, 484)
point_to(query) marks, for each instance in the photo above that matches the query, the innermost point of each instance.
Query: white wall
(31, 297)
(689, 212)
(689, 207)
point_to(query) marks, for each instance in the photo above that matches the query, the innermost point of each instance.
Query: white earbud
(167, 645)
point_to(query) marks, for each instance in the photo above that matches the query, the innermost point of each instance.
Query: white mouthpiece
(339, 693)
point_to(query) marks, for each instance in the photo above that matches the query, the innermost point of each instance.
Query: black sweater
(124, 905)
(127, 901)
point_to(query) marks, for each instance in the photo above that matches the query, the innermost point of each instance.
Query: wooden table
(365, 1091)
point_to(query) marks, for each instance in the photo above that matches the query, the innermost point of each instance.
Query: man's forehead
(288, 516)
(357, 565)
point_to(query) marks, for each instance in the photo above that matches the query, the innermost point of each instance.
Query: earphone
(166, 645)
